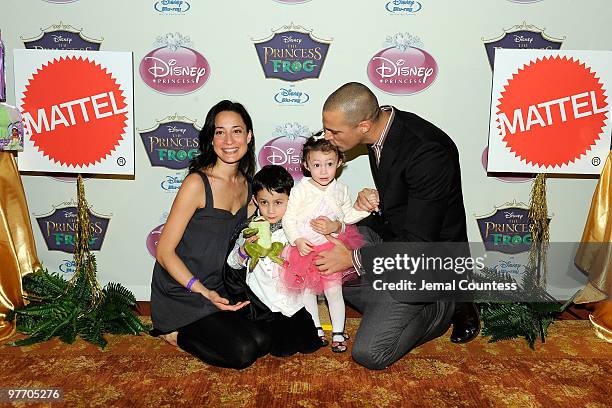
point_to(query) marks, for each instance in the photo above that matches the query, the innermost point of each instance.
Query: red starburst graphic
(75, 111)
(552, 111)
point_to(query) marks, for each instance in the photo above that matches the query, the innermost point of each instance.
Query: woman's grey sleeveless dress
(203, 248)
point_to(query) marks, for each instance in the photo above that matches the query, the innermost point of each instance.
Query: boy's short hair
(272, 178)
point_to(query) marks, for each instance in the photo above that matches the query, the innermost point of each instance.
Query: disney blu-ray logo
(403, 6)
(67, 266)
(172, 6)
(280, 157)
(169, 69)
(291, 97)
(57, 38)
(174, 129)
(172, 183)
(390, 69)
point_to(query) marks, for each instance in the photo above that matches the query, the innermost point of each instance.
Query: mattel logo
(172, 7)
(403, 68)
(403, 6)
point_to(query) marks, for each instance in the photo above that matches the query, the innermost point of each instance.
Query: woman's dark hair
(207, 157)
(272, 178)
(316, 143)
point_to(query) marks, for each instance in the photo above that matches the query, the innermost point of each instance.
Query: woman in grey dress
(189, 303)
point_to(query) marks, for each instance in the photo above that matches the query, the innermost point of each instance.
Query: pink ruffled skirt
(301, 273)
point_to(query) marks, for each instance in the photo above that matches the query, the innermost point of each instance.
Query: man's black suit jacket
(419, 185)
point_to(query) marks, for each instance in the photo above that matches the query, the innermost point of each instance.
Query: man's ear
(364, 126)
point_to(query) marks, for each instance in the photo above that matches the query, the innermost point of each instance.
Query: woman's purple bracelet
(190, 283)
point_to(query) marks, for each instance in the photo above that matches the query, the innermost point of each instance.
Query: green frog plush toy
(263, 246)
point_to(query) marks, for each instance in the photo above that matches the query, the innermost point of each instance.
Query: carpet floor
(572, 369)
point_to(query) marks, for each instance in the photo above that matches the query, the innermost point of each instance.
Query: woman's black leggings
(225, 339)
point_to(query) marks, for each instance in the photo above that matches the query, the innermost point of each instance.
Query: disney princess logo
(277, 156)
(403, 6)
(174, 68)
(169, 68)
(402, 68)
(390, 69)
(286, 148)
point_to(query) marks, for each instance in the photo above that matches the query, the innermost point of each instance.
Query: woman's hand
(304, 246)
(220, 302)
(325, 226)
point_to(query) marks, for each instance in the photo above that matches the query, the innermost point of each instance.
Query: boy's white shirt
(307, 202)
(265, 282)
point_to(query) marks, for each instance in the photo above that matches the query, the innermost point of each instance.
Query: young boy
(282, 314)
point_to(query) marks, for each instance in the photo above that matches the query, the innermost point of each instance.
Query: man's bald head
(355, 100)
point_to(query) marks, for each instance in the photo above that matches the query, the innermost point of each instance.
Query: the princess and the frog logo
(507, 229)
(525, 36)
(62, 37)
(172, 142)
(59, 228)
(292, 53)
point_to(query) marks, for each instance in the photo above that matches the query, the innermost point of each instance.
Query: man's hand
(367, 200)
(334, 260)
(325, 226)
(304, 246)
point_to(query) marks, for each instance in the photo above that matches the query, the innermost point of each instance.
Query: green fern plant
(58, 309)
(514, 317)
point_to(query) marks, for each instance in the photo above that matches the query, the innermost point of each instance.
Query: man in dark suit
(418, 198)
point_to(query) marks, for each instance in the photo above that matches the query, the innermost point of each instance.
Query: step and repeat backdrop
(281, 59)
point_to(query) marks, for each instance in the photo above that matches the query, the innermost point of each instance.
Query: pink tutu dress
(300, 272)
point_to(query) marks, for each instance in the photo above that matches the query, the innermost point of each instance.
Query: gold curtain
(594, 256)
(17, 248)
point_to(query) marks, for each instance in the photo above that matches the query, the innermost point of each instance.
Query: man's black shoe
(466, 323)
